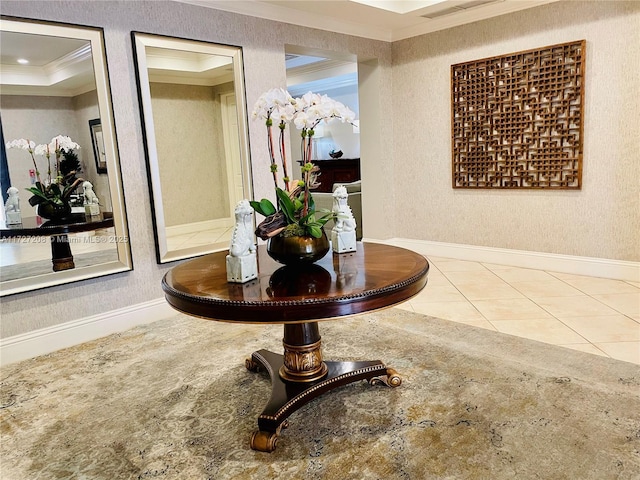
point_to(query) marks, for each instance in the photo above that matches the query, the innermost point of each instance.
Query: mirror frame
(140, 41)
(95, 36)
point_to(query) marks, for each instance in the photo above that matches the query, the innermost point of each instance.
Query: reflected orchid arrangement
(296, 214)
(57, 186)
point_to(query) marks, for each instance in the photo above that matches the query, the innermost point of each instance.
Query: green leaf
(38, 197)
(267, 207)
(263, 207)
(315, 231)
(327, 215)
(286, 205)
(312, 204)
(55, 190)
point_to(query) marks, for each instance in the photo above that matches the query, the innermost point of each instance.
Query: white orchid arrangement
(296, 214)
(56, 188)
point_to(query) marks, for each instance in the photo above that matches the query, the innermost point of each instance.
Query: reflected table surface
(58, 230)
(375, 276)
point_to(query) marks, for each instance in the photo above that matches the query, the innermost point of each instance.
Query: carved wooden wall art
(517, 120)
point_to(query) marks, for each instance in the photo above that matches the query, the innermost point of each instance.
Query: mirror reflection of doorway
(335, 75)
(193, 105)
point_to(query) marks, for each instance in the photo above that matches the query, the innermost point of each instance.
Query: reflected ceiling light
(23, 61)
(399, 6)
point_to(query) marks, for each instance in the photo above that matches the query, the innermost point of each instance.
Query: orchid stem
(283, 156)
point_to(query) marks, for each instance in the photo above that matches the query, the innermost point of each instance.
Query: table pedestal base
(289, 396)
(61, 256)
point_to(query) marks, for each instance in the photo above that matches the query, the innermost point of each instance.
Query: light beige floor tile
(627, 303)
(584, 318)
(405, 306)
(460, 266)
(510, 309)
(436, 278)
(625, 351)
(548, 330)
(552, 288)
(433, 268)
(476, 277)
(594, 286)
(513, 275)
(438, 293)
(574, 306)
(478, 323)
(488, 291)
(437, 260)
(495, 266)
(455, 311)
(614, 328)
(587, 348)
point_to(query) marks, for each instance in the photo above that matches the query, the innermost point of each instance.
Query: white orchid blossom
(56, 147)
(62, 143)
(277, 107)
(22, 143)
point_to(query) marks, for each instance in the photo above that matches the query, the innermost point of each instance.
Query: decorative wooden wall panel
(517, 120)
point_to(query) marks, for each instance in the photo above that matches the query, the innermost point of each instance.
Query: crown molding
(293, 16)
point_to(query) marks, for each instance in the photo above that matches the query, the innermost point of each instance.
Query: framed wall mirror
(193, 107)
(53, 81)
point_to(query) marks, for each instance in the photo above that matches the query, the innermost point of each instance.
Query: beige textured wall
(263, 45)
(188, 127)
(603, 219)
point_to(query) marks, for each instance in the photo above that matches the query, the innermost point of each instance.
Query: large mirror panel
(193, 105)
(54, 81)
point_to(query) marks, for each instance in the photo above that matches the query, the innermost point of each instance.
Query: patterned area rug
(173, 400)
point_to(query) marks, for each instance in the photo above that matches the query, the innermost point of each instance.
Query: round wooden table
(58, 231)
(375, 276)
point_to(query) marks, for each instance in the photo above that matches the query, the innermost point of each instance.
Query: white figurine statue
(242, 264)
(12, 207)
(91, 202)
(343, 234)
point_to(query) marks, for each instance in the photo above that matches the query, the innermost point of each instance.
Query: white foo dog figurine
(12, 207)
(242, 264)
(91, 202)
(343, 234)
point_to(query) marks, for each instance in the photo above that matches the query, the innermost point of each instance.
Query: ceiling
(374, 19)
(57, 66)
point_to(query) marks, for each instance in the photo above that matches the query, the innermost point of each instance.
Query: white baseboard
(550, 262)
(47, 340)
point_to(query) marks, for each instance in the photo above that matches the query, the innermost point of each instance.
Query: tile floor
(23, 250)
(199, 238)
(594, 315)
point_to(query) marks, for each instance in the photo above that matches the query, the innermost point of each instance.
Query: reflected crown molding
(67, 76)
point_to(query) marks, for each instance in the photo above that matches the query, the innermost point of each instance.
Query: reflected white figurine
(242, 264)
(91, 202)
(343, 234)
(12, 207)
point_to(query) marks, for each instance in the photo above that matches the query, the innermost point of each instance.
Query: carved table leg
(300, 375)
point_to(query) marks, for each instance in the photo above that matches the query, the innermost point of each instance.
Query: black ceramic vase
(54, 211)
(298, 250)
